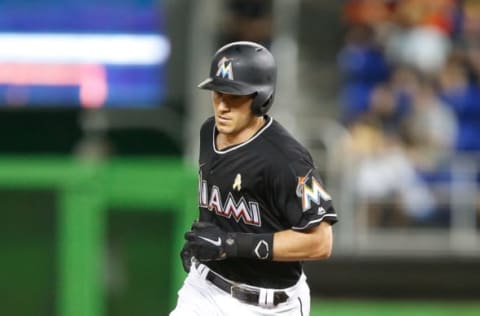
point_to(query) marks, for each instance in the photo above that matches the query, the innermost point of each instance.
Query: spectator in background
(430, 129)
(362, 65)
(419, 36)
(463, 96)
(431, 132)
(386, 179)
(409, 119)
(471, 37)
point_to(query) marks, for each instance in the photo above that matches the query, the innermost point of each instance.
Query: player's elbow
(323, 249)
(322, 243)
(327, 250)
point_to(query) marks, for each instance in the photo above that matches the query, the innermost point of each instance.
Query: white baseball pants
(199, 297)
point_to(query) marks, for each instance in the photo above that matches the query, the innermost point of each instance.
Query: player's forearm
(315, 244)
(207, 241)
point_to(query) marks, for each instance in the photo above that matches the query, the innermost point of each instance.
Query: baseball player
(262, 206)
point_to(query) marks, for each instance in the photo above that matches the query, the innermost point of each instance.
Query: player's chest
(235, 173)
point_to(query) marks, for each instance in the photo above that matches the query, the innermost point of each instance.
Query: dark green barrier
(85, 191)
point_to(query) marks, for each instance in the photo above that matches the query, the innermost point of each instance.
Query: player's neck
(224, 140)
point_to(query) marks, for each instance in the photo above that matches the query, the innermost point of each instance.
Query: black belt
(247, 295)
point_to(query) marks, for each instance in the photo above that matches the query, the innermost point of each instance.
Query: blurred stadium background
(99, 114)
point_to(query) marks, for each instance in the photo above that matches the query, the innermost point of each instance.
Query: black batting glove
(208, 242)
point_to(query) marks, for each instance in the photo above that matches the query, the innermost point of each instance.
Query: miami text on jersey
(248, 212)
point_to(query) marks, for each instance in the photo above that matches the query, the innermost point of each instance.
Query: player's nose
(222, 106)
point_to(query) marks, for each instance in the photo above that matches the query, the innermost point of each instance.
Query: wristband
(248, 245)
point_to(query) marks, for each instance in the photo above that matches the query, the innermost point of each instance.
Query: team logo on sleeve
(310, 190)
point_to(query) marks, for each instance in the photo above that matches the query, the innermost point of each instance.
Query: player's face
(232, 113)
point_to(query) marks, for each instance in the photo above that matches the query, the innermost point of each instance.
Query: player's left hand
(208, 242)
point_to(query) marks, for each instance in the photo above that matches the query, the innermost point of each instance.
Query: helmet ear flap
(260, 106)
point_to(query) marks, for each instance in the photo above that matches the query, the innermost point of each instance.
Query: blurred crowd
(410, 98)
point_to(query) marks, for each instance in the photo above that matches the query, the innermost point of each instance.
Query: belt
(244, 294)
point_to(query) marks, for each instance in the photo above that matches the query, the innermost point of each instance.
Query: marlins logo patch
(310, 190)
(225, 69)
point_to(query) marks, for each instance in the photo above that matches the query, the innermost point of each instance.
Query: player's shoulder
(283, 145)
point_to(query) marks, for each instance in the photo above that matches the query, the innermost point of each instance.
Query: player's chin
(224, 127)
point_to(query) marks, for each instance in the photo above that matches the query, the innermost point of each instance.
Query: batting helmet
(244, 68)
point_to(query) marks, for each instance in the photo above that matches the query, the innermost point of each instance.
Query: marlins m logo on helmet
(244, 68)
(225, 69)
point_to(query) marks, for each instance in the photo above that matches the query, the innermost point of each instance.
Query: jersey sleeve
(301, 196)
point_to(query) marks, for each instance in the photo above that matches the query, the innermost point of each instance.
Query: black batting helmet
(244, 68)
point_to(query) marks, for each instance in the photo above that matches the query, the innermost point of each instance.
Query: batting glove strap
(247, 245)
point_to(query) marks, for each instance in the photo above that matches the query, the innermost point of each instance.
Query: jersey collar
(232, 148)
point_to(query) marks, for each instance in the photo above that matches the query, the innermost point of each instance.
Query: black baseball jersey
(264, 185)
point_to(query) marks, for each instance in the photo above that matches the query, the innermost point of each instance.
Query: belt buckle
(250, 296)
(246, 295)
(235, 290)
